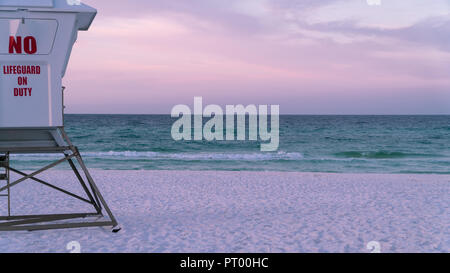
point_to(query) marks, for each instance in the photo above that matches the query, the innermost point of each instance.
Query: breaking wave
(381, 155)
(136, 155)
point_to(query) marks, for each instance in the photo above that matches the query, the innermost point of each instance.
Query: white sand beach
(208, 211)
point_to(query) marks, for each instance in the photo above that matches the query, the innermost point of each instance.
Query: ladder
(4, 177)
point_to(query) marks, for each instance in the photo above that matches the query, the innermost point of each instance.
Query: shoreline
(270, 171)
(247, 171)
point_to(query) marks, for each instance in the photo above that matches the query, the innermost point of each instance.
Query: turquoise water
(355, 144)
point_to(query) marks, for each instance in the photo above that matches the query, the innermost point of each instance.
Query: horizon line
(285, 114)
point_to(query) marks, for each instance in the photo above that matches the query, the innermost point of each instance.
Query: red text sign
(27, 45)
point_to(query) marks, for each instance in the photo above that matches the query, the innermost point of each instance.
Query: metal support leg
(4, 164)
(7, 183)
(89, 177)
(86, 190)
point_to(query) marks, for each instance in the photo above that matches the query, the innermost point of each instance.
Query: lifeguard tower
(36, 39)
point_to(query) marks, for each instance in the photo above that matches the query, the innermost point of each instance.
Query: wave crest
(380, 155)
(127, 155)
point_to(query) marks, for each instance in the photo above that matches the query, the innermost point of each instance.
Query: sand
(183, 211)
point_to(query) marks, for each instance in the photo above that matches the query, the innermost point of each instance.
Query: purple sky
(308, 56)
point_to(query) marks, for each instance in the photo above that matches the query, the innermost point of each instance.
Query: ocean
(340, 144)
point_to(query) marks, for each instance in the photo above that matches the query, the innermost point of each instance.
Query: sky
(308, 56)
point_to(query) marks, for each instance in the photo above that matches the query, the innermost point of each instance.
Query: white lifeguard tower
(36, 39)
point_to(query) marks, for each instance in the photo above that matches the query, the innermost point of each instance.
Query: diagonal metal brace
(52, 186)
(37, 172)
